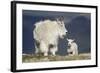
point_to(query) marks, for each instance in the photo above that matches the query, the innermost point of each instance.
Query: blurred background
(77, 24)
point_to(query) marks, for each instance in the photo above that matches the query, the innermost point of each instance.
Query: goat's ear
(57, 19)
(61, 18)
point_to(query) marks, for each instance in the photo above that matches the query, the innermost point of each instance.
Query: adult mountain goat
(47, 34)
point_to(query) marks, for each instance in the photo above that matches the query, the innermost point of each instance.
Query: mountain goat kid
(73, 47)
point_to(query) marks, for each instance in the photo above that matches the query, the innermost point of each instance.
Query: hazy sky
(77, 24)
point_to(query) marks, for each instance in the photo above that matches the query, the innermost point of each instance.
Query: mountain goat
(73, 47)
(47, 34)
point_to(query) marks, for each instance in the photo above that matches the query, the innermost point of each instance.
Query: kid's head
(70, 41)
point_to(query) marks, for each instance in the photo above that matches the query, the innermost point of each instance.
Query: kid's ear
(67, 39)
(73, 39)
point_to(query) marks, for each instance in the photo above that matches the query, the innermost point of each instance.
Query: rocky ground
(37, 58)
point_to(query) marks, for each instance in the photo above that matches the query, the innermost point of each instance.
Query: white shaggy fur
(48, 32)
(73, 47)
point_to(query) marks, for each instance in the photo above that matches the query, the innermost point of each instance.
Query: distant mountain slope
(80, 29)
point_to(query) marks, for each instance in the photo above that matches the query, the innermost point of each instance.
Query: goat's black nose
(66, 33)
